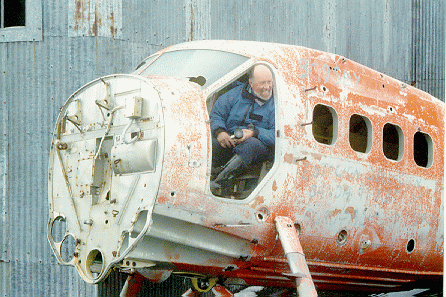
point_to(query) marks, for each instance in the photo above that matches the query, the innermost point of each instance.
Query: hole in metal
(393, 142)
(58, 229)
(94, 264)
(342, 237)
(67, 248)
(298, 227)
(410, 245)
(262, 213)
(325, 124)
(423, 149)
(360, 136)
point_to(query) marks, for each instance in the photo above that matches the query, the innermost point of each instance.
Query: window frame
(335, 124)
(32, 31)
(429, 150)
(401, 148)
(369, 137)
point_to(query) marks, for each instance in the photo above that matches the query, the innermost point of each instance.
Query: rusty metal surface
(367, 222)
(95, 18)
(46, 72)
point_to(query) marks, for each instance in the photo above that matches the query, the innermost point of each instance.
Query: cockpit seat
(241, 186)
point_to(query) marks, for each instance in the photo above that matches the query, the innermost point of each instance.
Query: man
(249, 108)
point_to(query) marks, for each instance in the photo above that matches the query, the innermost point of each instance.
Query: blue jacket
(237, 109)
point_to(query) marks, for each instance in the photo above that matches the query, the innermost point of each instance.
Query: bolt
(366, 243)
(88, 222)
(62, 146)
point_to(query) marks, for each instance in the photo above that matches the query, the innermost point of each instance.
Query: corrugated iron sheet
(95, 18)
(402, 39)
(173, 286)
(388, 36)
(4, 279)
(428, 46)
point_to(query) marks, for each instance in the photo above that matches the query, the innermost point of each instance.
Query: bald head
(261, 81)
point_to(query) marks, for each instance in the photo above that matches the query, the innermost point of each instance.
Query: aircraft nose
(104, 172)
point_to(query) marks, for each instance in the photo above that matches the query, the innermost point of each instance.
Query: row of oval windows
(325, 130)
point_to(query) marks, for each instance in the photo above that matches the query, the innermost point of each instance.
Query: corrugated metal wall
(84, 39)
(428, 47)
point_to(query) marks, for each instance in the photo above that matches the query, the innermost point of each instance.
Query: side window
(393, 142)
(325, 124)
(423, 150)
(360, 135)
(20, 20)
(12, 13)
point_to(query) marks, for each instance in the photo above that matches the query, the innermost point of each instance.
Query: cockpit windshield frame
(202, 66)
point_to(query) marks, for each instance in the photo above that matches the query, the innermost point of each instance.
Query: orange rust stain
(258, 201)
(334, 213)
(351, 211)
(275, 186)
(288, 130)
(78, 14)
(288, 158)
(113, 29)
(97, 21)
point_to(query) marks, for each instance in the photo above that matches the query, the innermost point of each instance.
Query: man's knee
(252, 151)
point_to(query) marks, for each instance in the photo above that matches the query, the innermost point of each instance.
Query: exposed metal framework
(404, 39)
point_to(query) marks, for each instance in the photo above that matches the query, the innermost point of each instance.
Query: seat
(243, 185)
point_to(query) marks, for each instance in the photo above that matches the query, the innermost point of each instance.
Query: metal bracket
(76, 117)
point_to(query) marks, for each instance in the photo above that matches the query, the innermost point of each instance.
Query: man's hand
(247, 133)
(225, 140)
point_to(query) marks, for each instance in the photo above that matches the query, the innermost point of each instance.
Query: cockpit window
(203, 67)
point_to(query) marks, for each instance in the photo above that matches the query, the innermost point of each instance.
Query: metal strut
(132, 285)
(295, 256)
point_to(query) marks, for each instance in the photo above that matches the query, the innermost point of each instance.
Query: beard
(264, 95)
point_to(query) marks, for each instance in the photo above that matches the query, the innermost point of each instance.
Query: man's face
(262, 82)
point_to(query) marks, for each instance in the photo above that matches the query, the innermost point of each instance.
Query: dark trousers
(251, 151)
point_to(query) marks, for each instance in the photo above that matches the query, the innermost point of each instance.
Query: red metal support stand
(132, 285)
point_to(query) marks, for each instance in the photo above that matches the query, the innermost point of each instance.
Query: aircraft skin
(358, 171)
